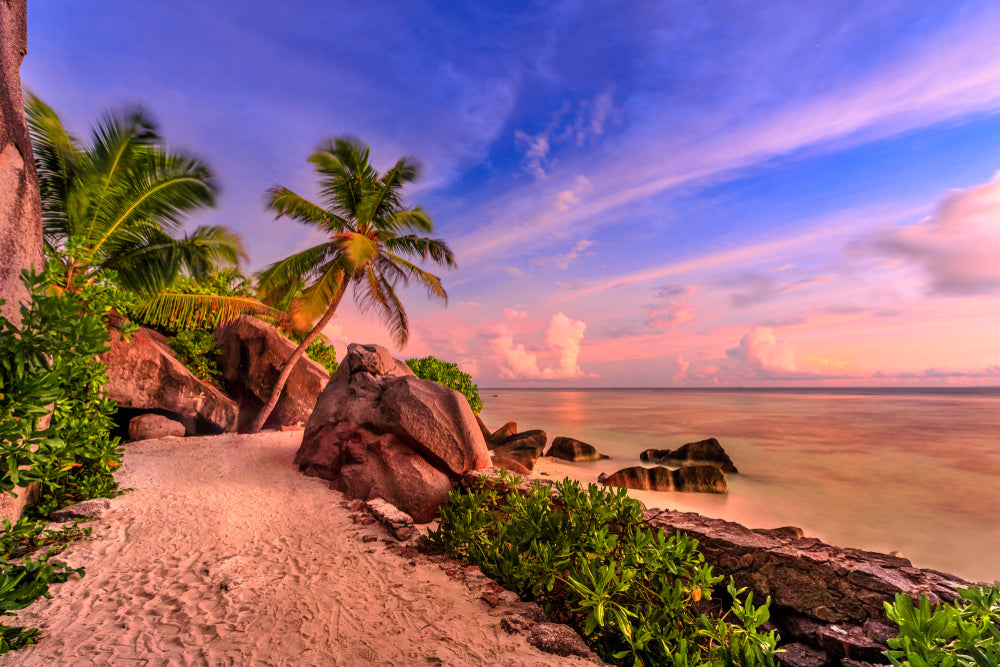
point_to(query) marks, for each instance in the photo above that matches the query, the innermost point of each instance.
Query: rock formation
(826, 601)
(151, 426)
(525, 448)
(570, 449)
(696, 479)
(708, 451)
(253, 354)
(379, 431)
(501, 434)
(144, 375)
(20, 205)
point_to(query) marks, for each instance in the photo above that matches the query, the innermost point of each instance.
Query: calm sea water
(908, 470)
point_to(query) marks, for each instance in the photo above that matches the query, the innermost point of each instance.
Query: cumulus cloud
(958, 246)
(512, 314)
(760, 352)
(562, 345)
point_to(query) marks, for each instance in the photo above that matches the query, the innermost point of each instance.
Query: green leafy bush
(450, 375)
(198, 351)
(323, 353)
(588, 558)
(964, 634)
(55, 422)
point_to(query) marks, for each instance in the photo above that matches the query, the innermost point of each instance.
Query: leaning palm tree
(372, 236)
(117, 202)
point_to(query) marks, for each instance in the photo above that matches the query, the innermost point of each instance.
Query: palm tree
(371, 238)
(116, 203)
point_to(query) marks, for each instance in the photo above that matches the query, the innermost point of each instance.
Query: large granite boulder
(571, 449)
(20, 205)
(694, 479)
(143, 374)
(708, 451)
(379, 431)
(253, 355)
(525, 448)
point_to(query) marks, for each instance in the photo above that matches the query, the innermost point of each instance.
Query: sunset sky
(638, 194)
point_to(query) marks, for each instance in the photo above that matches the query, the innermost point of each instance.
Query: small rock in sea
(696, 479)
(85, 509)
(571, 449)
(708, 450)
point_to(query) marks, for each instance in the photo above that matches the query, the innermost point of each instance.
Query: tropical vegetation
(372, 236)
(450, 375)
(55, 425)
(117, 202)
(962, 634)
(586, 556)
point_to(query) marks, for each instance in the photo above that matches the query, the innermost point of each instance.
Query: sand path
(224, 554)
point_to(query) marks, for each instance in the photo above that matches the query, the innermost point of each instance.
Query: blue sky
(639, 194)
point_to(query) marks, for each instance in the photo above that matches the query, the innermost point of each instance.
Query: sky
(638, 194)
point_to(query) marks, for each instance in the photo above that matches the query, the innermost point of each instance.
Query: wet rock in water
(151, 426)
(253, 355)
(144, 375)
(692, 479)
(525, 448)
(708, 450)
(570, 449)
(378, 431)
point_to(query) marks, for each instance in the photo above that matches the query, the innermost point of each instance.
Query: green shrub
(450, 375)
(55, 423)
(323, 353)
(588, 558)
(198, 351)
(964, 634)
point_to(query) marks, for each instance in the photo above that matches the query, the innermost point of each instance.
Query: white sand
(224, 554)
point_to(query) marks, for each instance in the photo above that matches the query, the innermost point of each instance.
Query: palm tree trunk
(265, 412)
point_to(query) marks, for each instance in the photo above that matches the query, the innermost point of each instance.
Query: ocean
(909, 470)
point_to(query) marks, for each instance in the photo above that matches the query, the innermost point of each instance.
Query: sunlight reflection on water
(886, 471)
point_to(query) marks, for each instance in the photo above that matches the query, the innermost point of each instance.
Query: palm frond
(302, 267)
(412, 272)
(57, 155)
(180, 311)
(288, 204)
(160, 189)
(424, 248)
(374, 293)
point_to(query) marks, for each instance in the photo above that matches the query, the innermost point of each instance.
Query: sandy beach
(224, 554)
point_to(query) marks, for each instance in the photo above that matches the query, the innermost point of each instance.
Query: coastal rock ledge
(826, 600)
(378, 431)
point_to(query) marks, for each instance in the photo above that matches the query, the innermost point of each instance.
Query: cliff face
(20, 207)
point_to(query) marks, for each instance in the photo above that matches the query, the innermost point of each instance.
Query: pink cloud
(512, 314)
(562, 344)
(958, 246)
